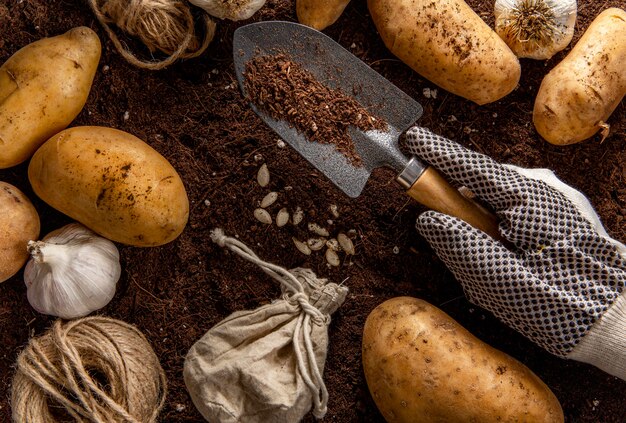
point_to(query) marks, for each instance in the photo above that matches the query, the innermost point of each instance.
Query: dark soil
(195, 116)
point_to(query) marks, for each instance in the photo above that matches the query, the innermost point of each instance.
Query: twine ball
(163, 25)
(94, 369)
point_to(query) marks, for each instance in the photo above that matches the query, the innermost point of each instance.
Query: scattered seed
(315, 228)
(346, 243)
(258, 157)
(352, 233)
(297, 217)
(333, 244)
(332, 258)
(334, 210)
(269, 199)
(280, 143)
(207, 202)
(282, 217)
(302, 247)
(263, 176)
(263, 216)
(316, 244)
(396, 250)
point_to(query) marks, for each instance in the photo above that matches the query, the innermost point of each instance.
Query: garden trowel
(337, 68)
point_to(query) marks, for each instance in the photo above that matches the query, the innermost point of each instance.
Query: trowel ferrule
(411, 173)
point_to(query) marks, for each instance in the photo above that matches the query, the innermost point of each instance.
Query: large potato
(113, 183)
(577, 97)
(449, 44)
(19, 223)
(320, 14)
(43, 87)
(422, 366)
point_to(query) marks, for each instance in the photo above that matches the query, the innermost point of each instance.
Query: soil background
(194, 115)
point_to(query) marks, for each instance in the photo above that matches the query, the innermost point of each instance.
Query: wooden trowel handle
(433, 191)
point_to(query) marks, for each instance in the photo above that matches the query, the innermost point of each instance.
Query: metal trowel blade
(337, 68)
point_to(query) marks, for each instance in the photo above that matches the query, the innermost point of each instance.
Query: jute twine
(94, 369)
(164, 25)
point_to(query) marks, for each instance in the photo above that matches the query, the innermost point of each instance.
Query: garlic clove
(235, 10)
(72, 272)
(535, 29)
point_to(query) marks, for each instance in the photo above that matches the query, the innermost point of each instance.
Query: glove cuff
(604, 345)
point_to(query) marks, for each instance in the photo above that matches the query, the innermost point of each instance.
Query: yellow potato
(449, 44)
(113, 183)
(577, 97)
(422, 366)
(43, 87)
(19, 223)
(320, 14)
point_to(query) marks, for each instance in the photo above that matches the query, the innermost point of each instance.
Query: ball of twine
(94, 369)
(164, 25)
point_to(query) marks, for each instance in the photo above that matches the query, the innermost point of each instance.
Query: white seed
(263, 176)
(396, 250)
(332, 258)
(297, 217)
(282, 217)
(333, 244)
(346, 243)
(302, 247)
(280, 143)
(269, 199)
(316, 244)
(315, 228)
(263, 216)
(334, 210)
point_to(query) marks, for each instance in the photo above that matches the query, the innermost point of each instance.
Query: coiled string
(164, 25)
(94, 369)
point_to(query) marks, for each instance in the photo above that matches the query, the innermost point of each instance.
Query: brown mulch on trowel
(286, 91)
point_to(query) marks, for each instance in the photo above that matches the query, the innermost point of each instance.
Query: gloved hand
(562, 280)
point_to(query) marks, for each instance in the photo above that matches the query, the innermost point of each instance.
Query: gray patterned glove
(561, 284)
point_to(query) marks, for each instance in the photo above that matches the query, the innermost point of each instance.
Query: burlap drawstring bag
(266, 365)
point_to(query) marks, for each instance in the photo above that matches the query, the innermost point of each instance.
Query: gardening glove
(560, 280)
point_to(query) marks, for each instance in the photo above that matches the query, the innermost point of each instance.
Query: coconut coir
(286, 91)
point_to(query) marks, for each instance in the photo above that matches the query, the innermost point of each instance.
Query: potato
(448, 44)
(43, 87)
(19, 223)
(113, 183)
(577, 97)
(320, 14)
(422, 366)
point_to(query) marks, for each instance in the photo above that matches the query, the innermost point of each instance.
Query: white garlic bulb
(235, 10)
(71, 272)
(535, 29)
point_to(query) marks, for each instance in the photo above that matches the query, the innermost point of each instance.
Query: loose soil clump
(286, 91)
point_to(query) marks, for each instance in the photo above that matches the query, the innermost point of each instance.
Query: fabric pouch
(266, 365)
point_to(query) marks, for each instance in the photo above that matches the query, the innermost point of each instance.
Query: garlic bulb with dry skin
(535, 29)
(235, 10)
(71, 272)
